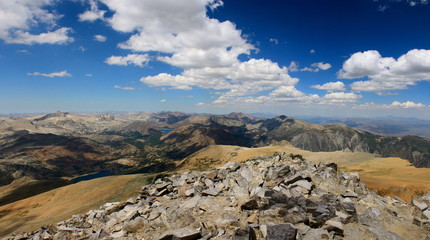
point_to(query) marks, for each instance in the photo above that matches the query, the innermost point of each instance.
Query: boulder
(211, 192)
(281, 232)
(181, 234)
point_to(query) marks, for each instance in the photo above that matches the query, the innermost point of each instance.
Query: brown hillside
(61, 203)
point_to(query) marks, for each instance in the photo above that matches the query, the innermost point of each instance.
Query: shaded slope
(134, 129)
(190, 138)
(26, 187)
(44, 156)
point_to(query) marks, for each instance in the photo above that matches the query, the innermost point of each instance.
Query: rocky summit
(272, 197)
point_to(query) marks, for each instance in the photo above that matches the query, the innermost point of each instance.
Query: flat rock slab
(211, 192)
(181, 234)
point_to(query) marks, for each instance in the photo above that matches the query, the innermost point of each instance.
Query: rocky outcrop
(57, 114)
(106, 117)
(272, 197)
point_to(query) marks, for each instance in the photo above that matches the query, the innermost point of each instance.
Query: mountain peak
(57, 114)
(272, 197)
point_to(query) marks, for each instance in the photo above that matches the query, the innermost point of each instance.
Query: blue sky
(338, 58)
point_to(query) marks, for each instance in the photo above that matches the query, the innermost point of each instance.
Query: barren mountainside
(65, 144)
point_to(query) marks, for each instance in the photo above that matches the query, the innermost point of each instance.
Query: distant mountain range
(69, 145)
(391, 126)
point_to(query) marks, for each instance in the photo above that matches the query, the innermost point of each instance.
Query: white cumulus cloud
(59, 36)
(363, 64)
(17, 18)
(331, 86)
(93, 14)
(176, 82)
(207, 50)
(393, 105)
(125, 88)
(316, 67)
(274, 41)
(321, 65)
(386, 73)
(51, 75)
(341, 97)
(135, 59)
(100, 38)
(287, 91)
(293, 67)
(407, 104)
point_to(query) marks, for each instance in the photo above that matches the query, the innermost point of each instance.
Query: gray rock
(419, 204)
(209, 183)
(252, 204)
(335, 226)
(349, 208)
(155, 213)
(354, 176)
(191, 203)
(242, 182)
(295, 178)
(246, 173)
(303, 183)
(189, 192)
(231, 166)
(350, 194)
(321, 215)
(211, 192)
(134, 225)
(160, 186)
(118, 234)
(181, 234)
(239, 192)
(427, 213)
(100, 234)
(227, 220)
(245, 233)
(281, 232)
(316, 234)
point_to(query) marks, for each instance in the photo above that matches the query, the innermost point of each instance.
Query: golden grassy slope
(61, 203)
(390, 176)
